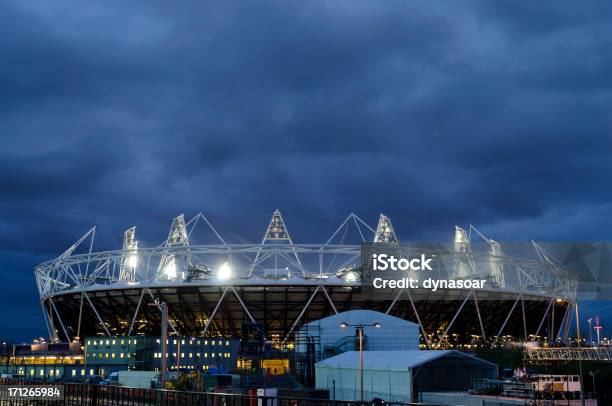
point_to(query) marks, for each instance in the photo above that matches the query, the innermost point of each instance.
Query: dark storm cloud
(121, 114)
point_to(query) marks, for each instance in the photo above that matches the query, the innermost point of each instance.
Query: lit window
(114, 342)
(113, 355)
(32, 372)
(198, 342)
(42, 372)
(158, 341)
(121, 355)
(88, 342)
(174, 342)
(91, 372)
(182, 342)
(227, 343)
(107, 342)
(82, 372)
(182, 355)
(107, 355)
(122, 342)
(190, 355)
(205, 342)
(205, 355)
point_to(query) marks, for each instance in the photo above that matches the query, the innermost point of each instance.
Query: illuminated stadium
(213, 289)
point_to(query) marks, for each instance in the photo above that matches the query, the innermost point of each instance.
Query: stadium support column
(136, 312)
(295, 323)
(506, 321)
(97, 314)
(212, 315)
(78, 337)
(544, 317)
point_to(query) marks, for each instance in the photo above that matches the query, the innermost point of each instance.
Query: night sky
(123, 113)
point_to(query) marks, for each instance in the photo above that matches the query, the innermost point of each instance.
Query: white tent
(394, 375)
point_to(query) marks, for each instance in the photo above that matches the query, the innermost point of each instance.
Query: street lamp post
(359, 328)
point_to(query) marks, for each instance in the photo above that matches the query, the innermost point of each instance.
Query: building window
(113, 355)
(121, 355)
(114, 342)
(91, 372)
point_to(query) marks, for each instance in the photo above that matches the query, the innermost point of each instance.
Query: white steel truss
(568, 354)
(313, 265)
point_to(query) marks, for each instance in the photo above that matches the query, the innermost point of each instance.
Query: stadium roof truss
(275, 261)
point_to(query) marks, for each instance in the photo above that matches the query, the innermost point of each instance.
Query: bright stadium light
(170, 269)
(351, 276)
(224, 272)
(133, 261)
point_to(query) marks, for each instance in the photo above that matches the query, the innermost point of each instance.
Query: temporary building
(398, 375)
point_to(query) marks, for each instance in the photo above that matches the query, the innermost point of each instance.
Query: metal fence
(99, 395)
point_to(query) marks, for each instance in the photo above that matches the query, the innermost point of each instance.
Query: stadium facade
(216, 289)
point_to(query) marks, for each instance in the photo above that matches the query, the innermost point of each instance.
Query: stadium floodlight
(224, 272)
(133, 261)
(170, 269)
(351, 276)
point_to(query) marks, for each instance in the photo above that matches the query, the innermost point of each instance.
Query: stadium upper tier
(277, 260)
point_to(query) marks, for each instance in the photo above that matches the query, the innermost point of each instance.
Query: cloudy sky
(436, 113)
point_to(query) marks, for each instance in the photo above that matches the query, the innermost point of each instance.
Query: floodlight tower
(384, 231)
(177, 237)
(462, 246)
(130, 258)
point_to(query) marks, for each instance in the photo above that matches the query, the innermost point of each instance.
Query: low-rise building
(47, 361)
(109, 354)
